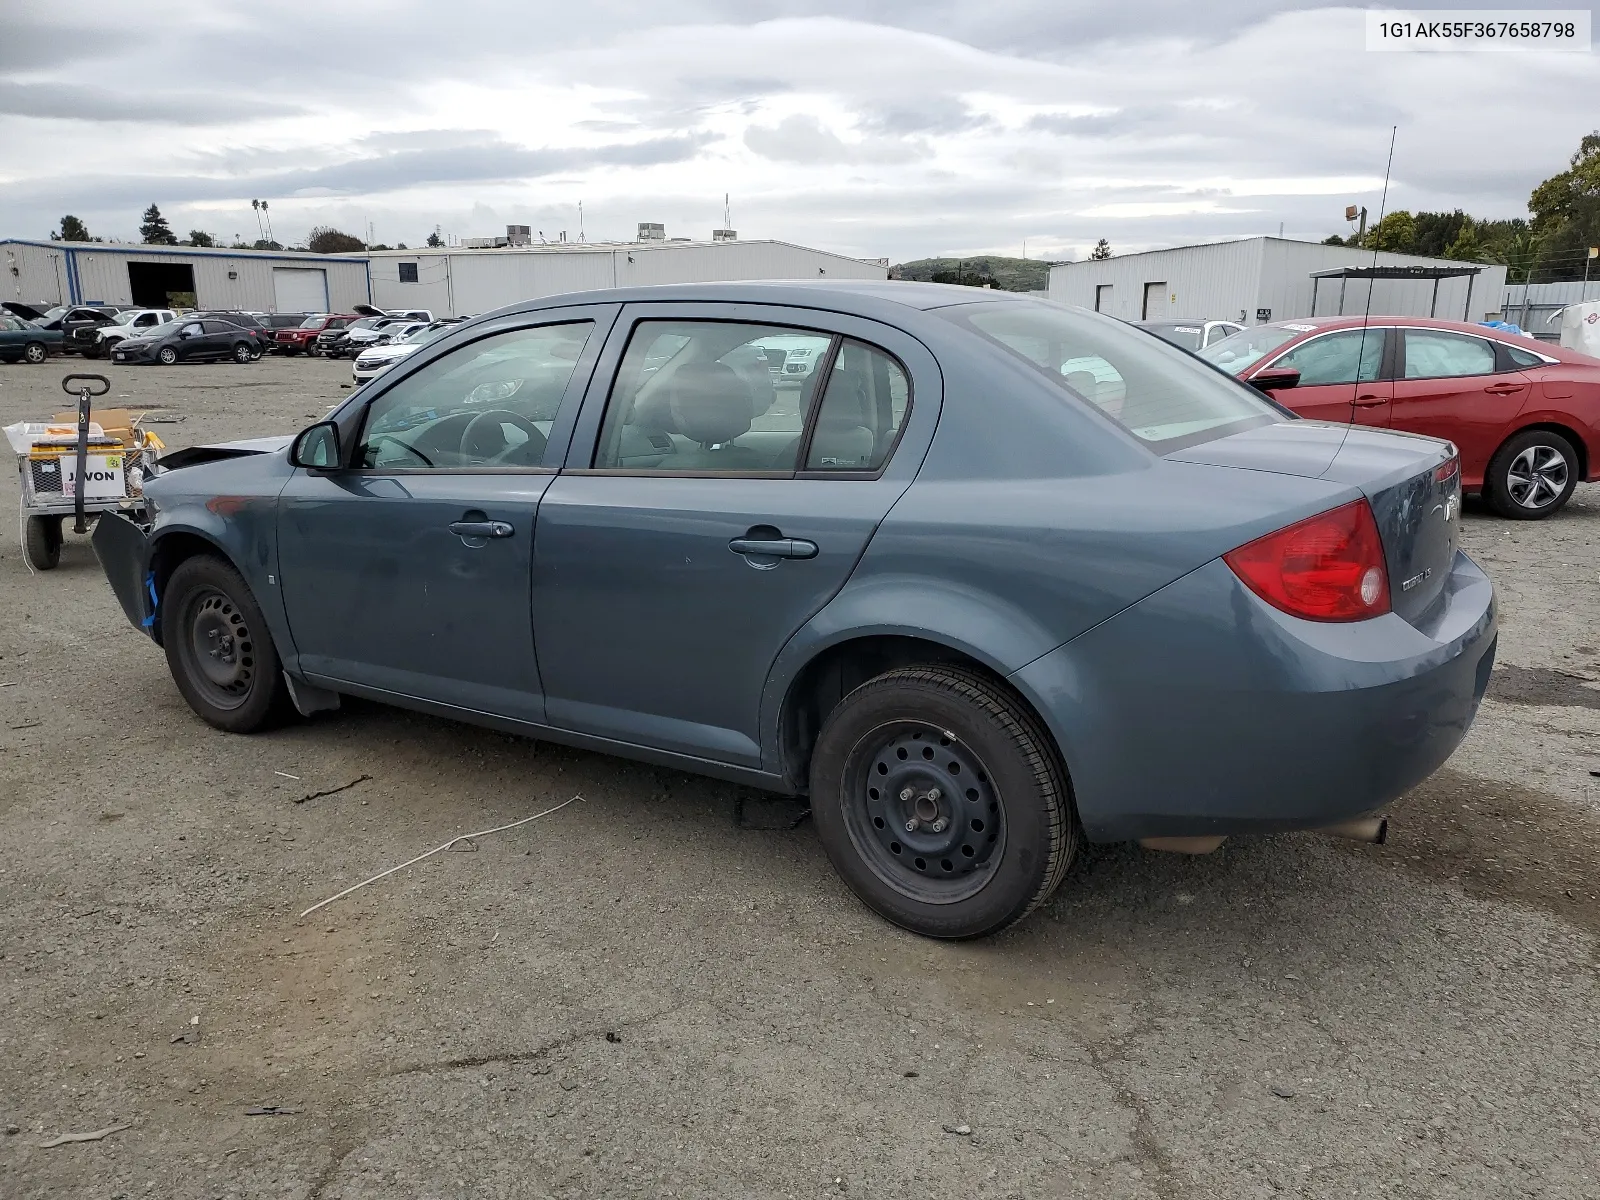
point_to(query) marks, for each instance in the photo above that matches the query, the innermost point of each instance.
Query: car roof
(847, 294)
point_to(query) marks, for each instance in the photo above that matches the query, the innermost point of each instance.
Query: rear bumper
(1202, 710)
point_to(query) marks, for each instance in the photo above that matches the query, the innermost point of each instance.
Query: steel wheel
(1537, 476)
(923, 812)
(220, 648)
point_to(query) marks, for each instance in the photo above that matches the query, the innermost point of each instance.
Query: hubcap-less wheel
(1537, 477)
(34, 353)
(923, 812)
(221, 648)
(168, 356)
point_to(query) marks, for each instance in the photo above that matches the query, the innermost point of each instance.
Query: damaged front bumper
(122, 544)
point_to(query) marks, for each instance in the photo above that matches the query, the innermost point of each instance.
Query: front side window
(1158, 393)
(1438, 354)
(488, 404)
(862, 411)
(711, 396)
(1352, 356)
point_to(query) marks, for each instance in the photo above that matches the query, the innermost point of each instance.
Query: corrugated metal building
(459, 282)
(1268, 279)
(180, 276)
(1537, 307)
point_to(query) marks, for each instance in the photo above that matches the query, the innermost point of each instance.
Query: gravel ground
(664, 990)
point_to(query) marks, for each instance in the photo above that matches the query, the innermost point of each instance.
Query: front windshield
(1241, 350)
(163, 330)
(1186, 336)
(53, 315)
(422, 336)
(313, 322)
(1160, 395)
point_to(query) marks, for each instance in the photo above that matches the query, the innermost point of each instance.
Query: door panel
(1474, 411)
(1339, 377)
(379, 590)
(653, 629)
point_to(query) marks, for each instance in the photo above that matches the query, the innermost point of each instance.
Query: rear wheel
(1532, 475)
(941, 801)
(35, 352)
(218, 648)
(41, 541)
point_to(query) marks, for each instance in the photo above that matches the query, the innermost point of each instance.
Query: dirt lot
(664, 990)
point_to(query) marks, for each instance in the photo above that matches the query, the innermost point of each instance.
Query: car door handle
(1504, 389)
(1370, 401)
(482, 529)
(774, 547)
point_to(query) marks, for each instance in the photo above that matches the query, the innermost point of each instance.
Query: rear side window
(862, 411)
(1351, 356)
(1521, 357)
(1439, 354)
(1160, 394)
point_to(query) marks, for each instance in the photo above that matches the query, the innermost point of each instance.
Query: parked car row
(379, 358)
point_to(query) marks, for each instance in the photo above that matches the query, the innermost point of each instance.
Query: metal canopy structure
(1345, 274)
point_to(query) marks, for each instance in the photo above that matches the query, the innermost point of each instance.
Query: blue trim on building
(282, 256)
(74, 294)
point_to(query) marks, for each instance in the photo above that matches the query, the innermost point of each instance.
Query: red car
(1525, 415)
(293, 341)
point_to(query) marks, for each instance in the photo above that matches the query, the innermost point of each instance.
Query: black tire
(219, 649)
(166, 356)
(291, 351)
(35, 353)
(1532, 475)
(92, 352)
(971, 755)
(241, 353)
(255, 353)
(41, 541)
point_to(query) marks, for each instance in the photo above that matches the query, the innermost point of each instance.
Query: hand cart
(77, 466)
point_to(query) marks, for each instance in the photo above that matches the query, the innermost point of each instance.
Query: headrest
(710, 403)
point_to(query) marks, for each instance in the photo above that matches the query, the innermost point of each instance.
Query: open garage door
(300, 289)
(161, 284)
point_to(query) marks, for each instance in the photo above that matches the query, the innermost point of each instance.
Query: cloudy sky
(900, 128)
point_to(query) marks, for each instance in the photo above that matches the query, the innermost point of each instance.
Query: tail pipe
(1368, 829)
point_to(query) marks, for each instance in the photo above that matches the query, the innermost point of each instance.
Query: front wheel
(218, 648)
(41, 542)
(241, 353)
(941, 801)
(1532, 475)
(35, 352)
(166, 356)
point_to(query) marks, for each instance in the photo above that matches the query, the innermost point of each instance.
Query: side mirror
(1274, 378)
(317, 448)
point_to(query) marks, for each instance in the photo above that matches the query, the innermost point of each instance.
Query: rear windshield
(1160, 394)
(1244, 349)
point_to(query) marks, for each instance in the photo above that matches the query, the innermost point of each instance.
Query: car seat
(711, 405)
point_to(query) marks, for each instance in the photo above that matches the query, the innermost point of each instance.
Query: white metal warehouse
(1272, 279)
(461, 282)
(50, 273)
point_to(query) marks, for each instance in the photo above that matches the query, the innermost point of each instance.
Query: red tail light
(1329, 567)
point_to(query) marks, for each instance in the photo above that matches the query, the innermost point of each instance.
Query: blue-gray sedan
(986, 576)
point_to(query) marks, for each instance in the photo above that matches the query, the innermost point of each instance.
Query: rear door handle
(774, 547)
(1371, 401)
(1504, 389)
(482, 529)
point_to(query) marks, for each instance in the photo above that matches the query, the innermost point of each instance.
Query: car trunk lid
(1409, 480)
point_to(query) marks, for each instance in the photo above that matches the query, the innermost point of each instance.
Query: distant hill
(1006, 274)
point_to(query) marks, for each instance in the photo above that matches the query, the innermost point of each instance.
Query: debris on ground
(333, 791)
(435, 850)
(613, 1036)
(61, 1139)
(271, 1110)
(959, 1130)
(1283, 1093)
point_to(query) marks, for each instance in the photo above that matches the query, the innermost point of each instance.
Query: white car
(378, 359)
(129, 324)
(790, 358)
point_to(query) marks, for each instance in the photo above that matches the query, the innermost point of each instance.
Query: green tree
(72, 230)
(1520, 253)
(1566, 211)
(266, 244)
(1102, 249)
(199, 237)
(155, 230)
(1396, 233)
(434, 239)
(402, 246)
(1333, 239)
(1466, 247)
(325, 239)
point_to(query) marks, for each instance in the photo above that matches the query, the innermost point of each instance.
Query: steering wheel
(409, 449)
(480, 425)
